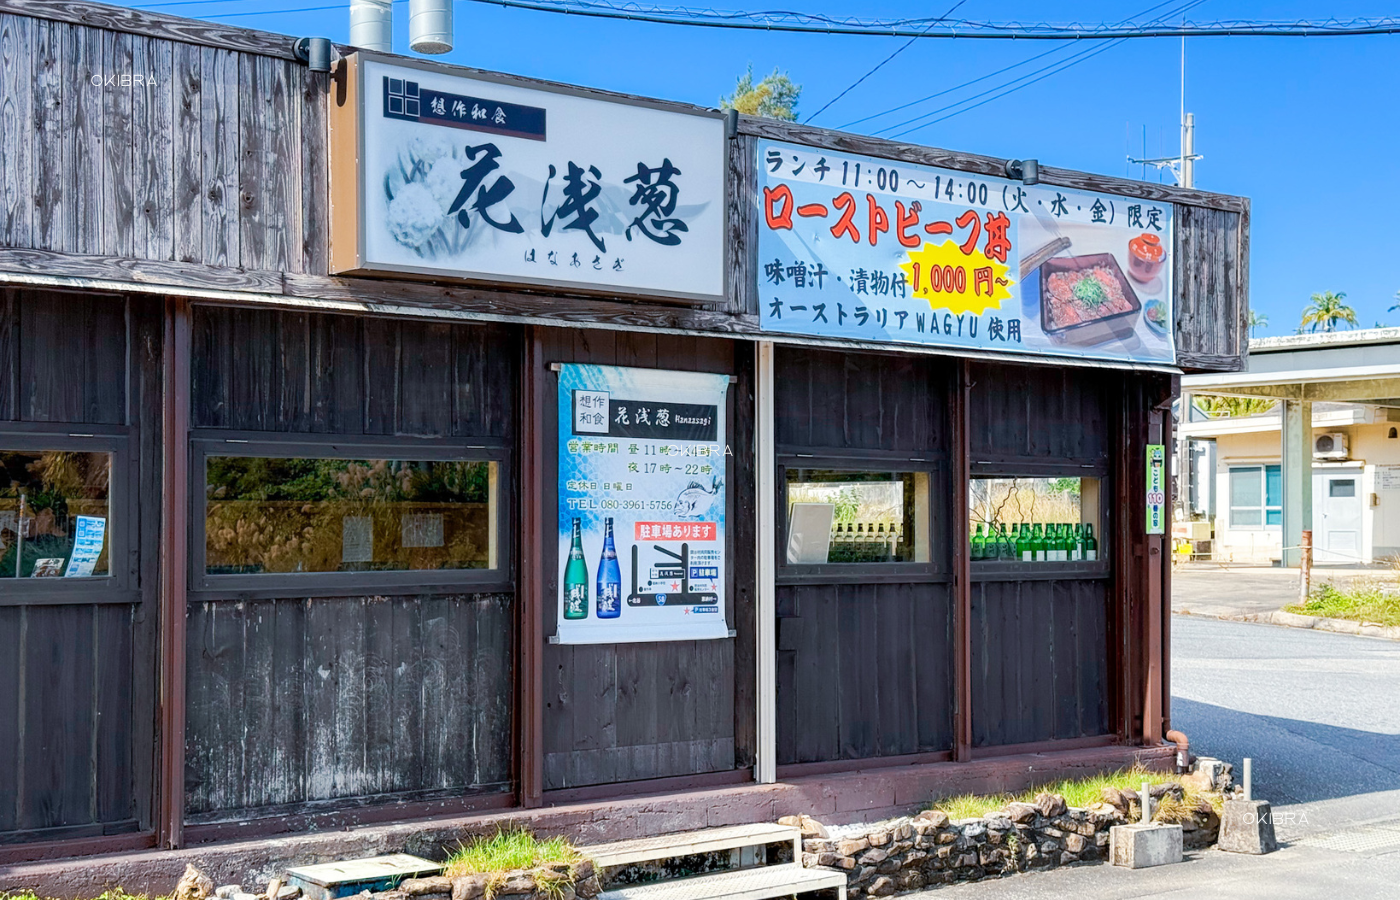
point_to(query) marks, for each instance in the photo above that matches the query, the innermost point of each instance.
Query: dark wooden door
(79, 375)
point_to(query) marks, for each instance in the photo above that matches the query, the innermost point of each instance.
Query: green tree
(1227, 407)
(1396, 305)
(1326, 311)
(1257, 320)
(775, 96)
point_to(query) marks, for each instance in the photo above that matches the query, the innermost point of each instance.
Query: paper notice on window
(48, 567)
(809, 532)
(422, 530)
(357, 539)
(88, 537)
(1388, 478)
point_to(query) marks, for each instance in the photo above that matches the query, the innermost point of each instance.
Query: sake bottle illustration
(609, 577)
(576, 578)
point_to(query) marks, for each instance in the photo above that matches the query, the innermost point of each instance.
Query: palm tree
(1258, 320)
(1326, 311)
(1395, 306)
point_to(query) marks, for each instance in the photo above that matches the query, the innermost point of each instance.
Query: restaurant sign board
(486, 178)
(642, 457)
(869, 249)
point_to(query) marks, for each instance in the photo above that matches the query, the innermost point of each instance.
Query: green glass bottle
(1091, 546)
(978, 543)
(1061, 545)
(1037, 543)
(1023, 543)
(1076, 553)
(576, 578)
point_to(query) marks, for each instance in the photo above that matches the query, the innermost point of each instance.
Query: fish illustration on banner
(694, 502)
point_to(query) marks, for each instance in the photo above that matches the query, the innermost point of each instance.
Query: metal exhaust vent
(430, 26)
(372, 25)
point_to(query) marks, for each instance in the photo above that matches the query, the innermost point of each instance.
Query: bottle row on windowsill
(859, 542)
(1034, 542)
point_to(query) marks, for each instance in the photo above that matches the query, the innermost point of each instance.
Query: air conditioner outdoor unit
(1330, 446)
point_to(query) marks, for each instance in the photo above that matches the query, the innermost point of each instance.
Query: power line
(796, 22)
(980, 78)
(1023, 81)
(878, 66)
(808, 23)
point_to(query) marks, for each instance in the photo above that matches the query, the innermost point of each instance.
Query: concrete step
(763, 883)
(672, 846)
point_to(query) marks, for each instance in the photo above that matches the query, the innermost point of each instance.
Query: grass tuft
(506, 851)
(1364, 600)
(1077, 792)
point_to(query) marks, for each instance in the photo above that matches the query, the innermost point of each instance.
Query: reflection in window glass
(348, 515)
(856, 517)
(54, 513)
(1034, 519)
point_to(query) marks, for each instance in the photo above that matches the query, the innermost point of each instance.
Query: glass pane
(347, 515)
(1244, 487)
(856, 517)
(54, 513)
(1273, 486)
(1248, 515)
(1035, 519)
(1341, 487)
(1273, 516)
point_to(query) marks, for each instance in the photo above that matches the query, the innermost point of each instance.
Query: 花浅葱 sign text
(496, 181)
(869, 249)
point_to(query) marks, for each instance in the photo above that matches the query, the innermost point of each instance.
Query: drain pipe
(430, 26)
(372, 25)
(1183, 751)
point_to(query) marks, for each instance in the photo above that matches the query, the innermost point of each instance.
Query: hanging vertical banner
(1156, 488)
(641, 505)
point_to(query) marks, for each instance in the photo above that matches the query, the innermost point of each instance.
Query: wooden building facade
(168, 313)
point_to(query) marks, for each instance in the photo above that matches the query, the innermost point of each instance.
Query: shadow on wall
(1294, 761)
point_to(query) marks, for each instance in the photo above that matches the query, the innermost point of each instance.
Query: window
(54, 511)
(849, 516)
(359, 517)
(1339, 487)
(1256, 496)
(1035, 519)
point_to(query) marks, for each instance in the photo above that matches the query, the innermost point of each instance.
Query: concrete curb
(1316, 623)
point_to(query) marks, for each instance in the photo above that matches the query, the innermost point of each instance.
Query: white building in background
(1339, 414)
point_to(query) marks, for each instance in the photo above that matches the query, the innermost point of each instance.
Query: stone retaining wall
(910, 853)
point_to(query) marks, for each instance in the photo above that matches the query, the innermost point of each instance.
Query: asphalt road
(1319, 713)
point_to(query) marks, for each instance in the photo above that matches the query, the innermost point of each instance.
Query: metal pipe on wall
(430, 26)
(372, 25)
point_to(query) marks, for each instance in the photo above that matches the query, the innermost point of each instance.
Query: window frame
(933, 467)
(271, 585)
(1263, 507)
(120, 584)
(1016, 570)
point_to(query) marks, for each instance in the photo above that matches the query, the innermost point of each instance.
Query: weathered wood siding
(1039, 661)
(293, 702)
(1040, 647)
(866, 670)
(628, 712)
(1211, 264)
(77, 677)
(214, 156)
(376, 698)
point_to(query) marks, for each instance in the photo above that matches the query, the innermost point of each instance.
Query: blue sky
(1309, 129)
